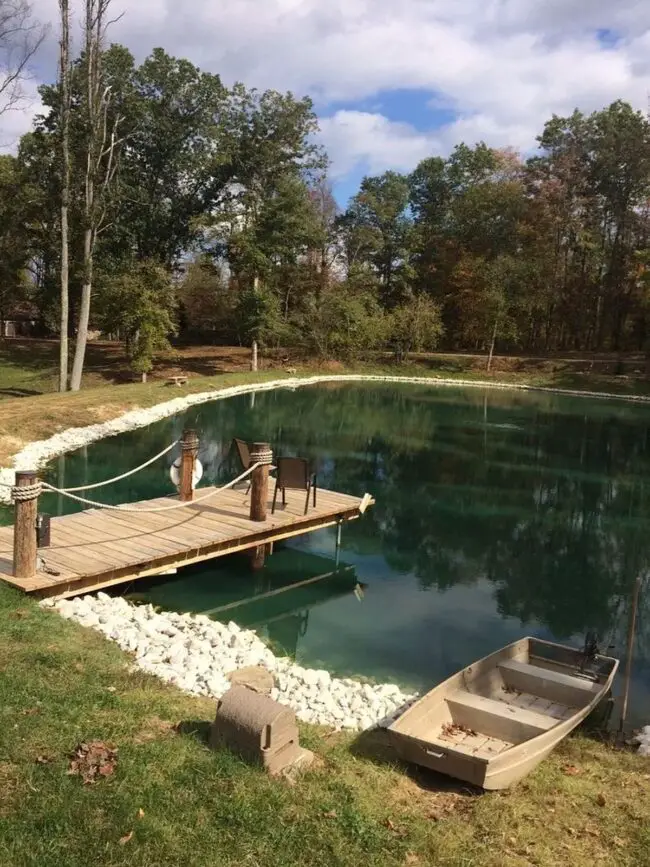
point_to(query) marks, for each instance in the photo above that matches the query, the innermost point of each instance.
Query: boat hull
(493, 722)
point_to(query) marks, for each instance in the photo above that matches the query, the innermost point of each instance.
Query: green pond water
(498, 515)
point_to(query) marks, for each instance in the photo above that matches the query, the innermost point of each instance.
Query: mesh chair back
(293, 473)
(243, 453)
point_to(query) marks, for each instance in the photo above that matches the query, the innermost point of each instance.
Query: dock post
(189, 453)
(260, 454)
(339, 527)
(25, 495)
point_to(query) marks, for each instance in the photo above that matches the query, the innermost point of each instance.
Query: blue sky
(396, 82)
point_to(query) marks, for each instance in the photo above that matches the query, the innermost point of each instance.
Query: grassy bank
(33, 410)
(171, 801)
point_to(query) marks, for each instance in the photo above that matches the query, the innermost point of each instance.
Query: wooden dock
(96, 548)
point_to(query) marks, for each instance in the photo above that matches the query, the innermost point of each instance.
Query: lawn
(170, 800)
(32, 409)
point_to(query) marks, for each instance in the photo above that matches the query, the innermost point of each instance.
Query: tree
(64, 81)
(344, 322)
(140, 305)
(206, 299)
(378, 231)
(20, 38)
(102, 146)
(259, 318)
(414, 326)
(16, 211)
(178, 161)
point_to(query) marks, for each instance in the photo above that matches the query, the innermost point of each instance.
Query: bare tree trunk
(84, 314)
(65, 190)
(254, 356)
(494, 340)
(101, 166)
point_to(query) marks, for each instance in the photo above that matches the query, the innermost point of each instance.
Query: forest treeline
(212, 218)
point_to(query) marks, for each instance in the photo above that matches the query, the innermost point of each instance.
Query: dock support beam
(189, 453)
(260, 454)
(339, 527)
(25, 495)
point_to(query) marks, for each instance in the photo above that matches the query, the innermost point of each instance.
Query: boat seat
(497, 719)
(547, 683)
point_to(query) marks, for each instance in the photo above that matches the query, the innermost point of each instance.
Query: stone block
(258, 729)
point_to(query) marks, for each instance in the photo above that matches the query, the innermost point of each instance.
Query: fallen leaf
(601, 800)
(330, 814)
(92, 760)
(43, 760)
(512, 841)
(78, 666)
(140, 813)
(400, 832)
(126, 838)
(571, 770)
(617, 841)
(572, 831)
(31, 711)
(111, 689)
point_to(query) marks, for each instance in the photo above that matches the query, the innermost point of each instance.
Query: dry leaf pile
(93, 760)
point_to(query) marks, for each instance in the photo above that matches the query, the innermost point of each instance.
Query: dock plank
(96, 548)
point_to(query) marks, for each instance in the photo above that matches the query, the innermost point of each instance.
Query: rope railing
(107, 481)
(123, 475)
(128, 508)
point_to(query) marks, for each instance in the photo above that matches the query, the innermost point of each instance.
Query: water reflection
(276, 601)
(498, 514)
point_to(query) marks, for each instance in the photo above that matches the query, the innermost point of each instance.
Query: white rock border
(196, 653)
(36, 454)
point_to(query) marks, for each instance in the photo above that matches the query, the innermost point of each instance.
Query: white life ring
(175, 472)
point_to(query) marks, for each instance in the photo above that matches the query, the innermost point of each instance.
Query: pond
(498, 514)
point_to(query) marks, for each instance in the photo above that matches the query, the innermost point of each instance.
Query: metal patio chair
(297, 474)
(243, 452)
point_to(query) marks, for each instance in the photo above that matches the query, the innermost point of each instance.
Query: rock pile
(196, 654)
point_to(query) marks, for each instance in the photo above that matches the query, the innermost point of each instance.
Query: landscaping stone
(254, 677)
(204, 657)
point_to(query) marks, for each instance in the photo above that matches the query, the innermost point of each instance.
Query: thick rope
(131, 508)
(124, 475)
(26, 492)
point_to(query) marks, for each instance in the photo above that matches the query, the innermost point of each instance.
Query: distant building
(20, 321)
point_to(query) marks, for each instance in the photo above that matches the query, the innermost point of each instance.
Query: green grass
(184, 804)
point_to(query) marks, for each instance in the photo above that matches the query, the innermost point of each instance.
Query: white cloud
(371, 141)
(504, 66)
(17, 120)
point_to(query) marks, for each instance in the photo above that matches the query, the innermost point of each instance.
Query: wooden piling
(260, 454)
(189, 453)
(26, 511)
